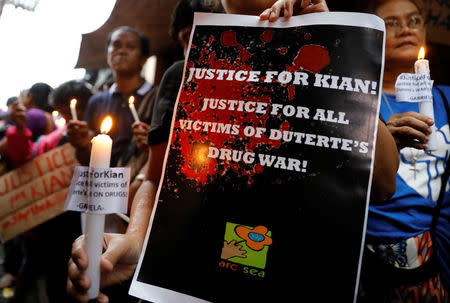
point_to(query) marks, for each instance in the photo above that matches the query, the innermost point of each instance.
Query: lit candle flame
(421, 55)
(73, 103)
(131, 100)
(55, 114)
(106, 125)
(60, 123)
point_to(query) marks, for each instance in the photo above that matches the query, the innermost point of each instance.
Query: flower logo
(255, 238)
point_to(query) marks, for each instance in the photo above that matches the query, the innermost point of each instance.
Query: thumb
(111, 256)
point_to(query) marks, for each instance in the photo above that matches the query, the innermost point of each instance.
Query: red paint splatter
(291, 92)
(189, 107)
(245, 55)
(307, 36)
(259, 168)
(283, 50)
(310, 57)
(266, 36)
(228, 38)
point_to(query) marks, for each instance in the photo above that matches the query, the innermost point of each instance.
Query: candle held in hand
(133, 109)
(95, 224)
(421, 66)
(73, 109)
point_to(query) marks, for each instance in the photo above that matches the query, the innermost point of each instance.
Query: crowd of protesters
(29, 129)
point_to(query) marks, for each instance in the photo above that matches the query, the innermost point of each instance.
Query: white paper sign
(99, 190)
(413, 88)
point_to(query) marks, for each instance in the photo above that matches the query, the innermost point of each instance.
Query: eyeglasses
(414, 22)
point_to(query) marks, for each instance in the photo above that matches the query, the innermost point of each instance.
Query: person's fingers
(406, 135)
(314, 8)
(411, 119)
(288, 9)
(81, 297)
(304, 3)
(102, 298)
(79, 255)
(275, 12)
(112, 254)
(265, 14)
(415, 115)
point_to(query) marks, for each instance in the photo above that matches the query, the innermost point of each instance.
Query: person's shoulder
(100, 95)
(444, 88)
(177, 65)
(175, 68)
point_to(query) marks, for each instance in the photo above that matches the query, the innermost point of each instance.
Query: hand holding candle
(421, 66)
(133, 109)
(100, 158)
(73, 110)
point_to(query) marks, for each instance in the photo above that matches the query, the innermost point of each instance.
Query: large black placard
(266, 181)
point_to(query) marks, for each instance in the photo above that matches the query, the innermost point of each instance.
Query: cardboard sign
(31, 193)
(33, 215)
(266, 178)
(99, 190)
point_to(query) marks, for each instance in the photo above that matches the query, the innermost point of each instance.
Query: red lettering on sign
(5, 181)
(38, 167)
(18, 196)
(25, 176)
(55, 182)
(68, 158)
(13, 181)
(55, 159)
(49, 163)
(35, 194)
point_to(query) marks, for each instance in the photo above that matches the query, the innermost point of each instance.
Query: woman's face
(405, 30)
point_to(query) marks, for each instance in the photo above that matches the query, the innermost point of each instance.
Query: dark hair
(65, 92)
(40, 92)
(370, 6)
(11, 100)
(183, 14)
(145, 42)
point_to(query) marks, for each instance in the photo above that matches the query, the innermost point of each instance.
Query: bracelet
(140, 177)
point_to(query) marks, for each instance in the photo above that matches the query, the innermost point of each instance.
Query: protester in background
(407, 257)
(37, 97)
(20, 146)
(48, 263)
(127, 52)
(120, 258)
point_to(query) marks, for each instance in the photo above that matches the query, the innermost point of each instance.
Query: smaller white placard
(413, 88)
(99, 190)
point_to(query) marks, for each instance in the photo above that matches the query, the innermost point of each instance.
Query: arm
(19, 146)
(120, 259)
(385, 165)
(140, 132)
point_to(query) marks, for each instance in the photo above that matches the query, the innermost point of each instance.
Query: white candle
(421, 66)
(73, 110)
(133, 109)
(95, 224)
